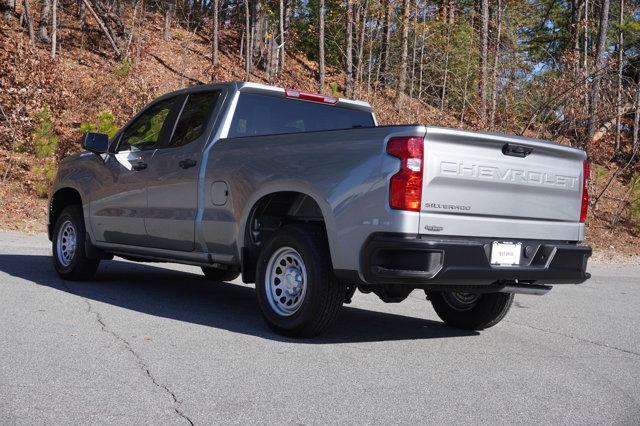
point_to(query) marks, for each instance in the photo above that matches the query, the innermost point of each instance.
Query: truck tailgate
(481, 184)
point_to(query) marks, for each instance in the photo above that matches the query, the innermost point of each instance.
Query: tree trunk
(413, 54)
(167, 22)
(496, 62)
(619, 88)
(282, 45)
(636, 120)
(585, 55)
(594, 95)
(423, 38)
(443, 93)
(386, 74)
(484, 52)
(54, 29)
(403, 58)
(247, 46)
(348, 78)
(27, 12)
(363, 30)
(8, 6)
(215, 6)
(321, 45)
(43, 34)
(82, 14)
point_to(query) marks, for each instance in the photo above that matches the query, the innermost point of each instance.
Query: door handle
(139, 166)
(185, 164)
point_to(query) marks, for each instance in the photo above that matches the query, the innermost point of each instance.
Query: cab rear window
(259, 115)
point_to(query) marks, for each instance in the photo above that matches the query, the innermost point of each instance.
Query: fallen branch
(104, 29)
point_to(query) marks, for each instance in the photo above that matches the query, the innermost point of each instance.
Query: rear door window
(194, 117)
(257, 115)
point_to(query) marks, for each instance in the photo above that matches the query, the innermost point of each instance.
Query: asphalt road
(157, 343)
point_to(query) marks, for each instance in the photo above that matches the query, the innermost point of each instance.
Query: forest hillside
(566, 71)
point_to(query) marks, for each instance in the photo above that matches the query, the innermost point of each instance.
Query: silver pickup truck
(305, 196)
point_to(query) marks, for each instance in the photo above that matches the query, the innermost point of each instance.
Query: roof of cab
(250, 87)
(245, 86)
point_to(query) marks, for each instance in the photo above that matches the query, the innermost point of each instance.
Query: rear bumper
(420, 260)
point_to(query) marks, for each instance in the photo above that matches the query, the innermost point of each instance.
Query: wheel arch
(60, 199)
(272, 209)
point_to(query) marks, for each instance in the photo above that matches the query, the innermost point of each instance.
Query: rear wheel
(297, 291)
(217, 274)
(470, 311)
(69, 257)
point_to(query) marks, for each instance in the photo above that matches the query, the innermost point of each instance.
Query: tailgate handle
(516, 150)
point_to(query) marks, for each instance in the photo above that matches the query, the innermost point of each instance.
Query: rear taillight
(585, 191)
(405, 189)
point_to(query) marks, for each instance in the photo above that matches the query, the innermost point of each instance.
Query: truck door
(172, 187)
(119, 203)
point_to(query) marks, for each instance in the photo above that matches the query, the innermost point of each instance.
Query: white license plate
(505, 254)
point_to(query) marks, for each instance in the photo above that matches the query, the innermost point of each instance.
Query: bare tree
(387, 42)
(620, 68)
(414, 51)
(484, 52)
(8, 6)
(54, 29)
(215, 10)
(348, 77)
(27, 12)
(321, 44)
(43, 33)
(636, 120)
(496, 63)
(247, 48)
(281, 46)
(363, 32)
(594, 94)
(402, 78)
(167, 22)
(443, 93)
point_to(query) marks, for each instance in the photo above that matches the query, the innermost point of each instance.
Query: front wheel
(470, 311)
(69, 257)
(297, 291)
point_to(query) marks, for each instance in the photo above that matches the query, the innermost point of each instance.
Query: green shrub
(123, 68)
(106, 124)
(334, 90)
(44, 173)
(44, 136)
(179, 35)
(601, 171)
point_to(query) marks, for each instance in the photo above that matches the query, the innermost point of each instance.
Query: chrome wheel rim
(461, 301)
(286, 281)
(66, 243)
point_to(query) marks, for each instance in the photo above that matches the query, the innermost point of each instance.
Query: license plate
(505, 254)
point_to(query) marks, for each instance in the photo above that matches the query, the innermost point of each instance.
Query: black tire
(77, 267)
(486, 310)
(217, 274)
(323, 295)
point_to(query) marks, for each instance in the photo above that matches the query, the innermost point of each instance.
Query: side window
(269, 115)
(144, 132)
(194, 117)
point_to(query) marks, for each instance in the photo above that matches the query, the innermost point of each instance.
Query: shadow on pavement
(184, 296)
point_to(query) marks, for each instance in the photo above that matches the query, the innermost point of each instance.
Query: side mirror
(98, 143)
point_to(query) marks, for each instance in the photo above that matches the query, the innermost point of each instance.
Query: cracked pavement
(158, 343)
